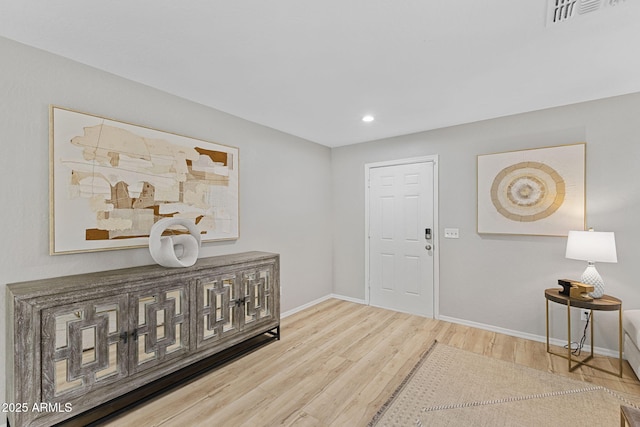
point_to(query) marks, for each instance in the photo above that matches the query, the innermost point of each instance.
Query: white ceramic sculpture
(174, 251)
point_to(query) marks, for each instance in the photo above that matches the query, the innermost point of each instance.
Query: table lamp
(592, 246)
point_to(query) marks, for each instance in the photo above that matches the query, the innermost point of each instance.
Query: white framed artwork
(539, 191)
(110, 181)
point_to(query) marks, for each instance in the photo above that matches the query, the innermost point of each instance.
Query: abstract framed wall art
(110, 181)
(539, 191)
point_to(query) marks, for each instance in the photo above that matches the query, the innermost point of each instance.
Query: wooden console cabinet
(76, 342)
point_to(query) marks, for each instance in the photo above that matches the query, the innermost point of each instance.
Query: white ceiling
(314, 68)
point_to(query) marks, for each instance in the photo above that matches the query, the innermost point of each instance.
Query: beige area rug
(453, 387)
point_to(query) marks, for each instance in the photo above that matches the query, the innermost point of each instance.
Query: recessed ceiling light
(368, 118)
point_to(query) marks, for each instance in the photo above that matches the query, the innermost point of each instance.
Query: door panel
(401, 207)
(160, 325)
(217, 317)
(257, 296)
(83, 347)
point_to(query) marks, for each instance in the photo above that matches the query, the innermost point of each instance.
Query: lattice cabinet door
(159, 325)
(217, 308)
(258, 294)
(84, 346)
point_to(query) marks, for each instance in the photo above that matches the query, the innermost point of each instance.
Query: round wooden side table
(606, 303)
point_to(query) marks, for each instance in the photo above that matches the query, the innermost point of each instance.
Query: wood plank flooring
(336, 364)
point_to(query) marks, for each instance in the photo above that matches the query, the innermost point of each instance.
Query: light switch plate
(451, 233)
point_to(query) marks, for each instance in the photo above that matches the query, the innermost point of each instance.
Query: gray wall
(284, 181)
(493, 280)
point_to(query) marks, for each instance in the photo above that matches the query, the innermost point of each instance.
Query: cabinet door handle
(124, 336)
(134, 334)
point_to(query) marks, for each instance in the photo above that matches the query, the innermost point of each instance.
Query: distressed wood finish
(86, 339)
(72, 356)
(143, 319)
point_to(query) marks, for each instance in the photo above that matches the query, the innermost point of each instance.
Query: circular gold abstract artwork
(527, 191)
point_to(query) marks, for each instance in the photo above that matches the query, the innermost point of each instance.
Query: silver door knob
(428, 247)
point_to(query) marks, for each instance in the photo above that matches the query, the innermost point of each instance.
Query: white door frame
(436, 229)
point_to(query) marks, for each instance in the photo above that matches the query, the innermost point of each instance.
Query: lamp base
(592, 277)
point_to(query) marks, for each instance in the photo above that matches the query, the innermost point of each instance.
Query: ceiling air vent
(566, 10)
(586, 6)
(562, 9)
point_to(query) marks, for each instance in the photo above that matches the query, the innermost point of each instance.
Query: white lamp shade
(595, 246)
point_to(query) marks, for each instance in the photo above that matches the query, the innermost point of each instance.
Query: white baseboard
(304, 306)
(342, 297)
(318, 301)
(539, 338)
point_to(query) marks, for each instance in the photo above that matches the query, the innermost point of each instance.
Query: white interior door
(401, 237)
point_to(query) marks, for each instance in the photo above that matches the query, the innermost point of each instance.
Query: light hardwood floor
(336, 364)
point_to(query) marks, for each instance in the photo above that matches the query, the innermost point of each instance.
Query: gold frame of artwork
(537, 191)
(110, 181)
